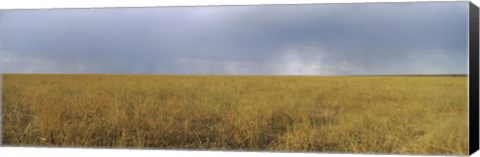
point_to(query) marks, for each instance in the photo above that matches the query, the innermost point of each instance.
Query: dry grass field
(367, 114)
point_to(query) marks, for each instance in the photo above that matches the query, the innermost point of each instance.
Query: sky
(304, 39)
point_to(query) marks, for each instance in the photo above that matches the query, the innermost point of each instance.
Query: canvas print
(388, 78)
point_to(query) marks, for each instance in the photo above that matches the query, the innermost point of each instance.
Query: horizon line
(453, 74)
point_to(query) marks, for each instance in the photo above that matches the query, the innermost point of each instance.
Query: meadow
(353, 114)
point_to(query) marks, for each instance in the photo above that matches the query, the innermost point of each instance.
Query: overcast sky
(320, 39)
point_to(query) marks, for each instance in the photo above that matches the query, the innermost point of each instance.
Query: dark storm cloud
(323, 39)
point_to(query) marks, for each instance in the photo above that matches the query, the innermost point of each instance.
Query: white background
(74, 152)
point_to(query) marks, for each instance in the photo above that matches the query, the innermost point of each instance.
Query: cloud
(320, 39)
(13, 63)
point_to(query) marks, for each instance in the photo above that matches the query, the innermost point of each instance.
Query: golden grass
(413, 115)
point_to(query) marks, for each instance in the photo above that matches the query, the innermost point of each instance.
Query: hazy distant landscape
(394, 114)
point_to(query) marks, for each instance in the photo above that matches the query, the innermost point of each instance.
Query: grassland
(413, 115)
